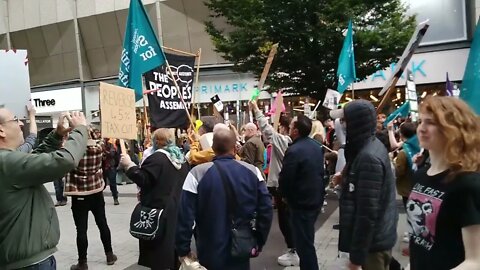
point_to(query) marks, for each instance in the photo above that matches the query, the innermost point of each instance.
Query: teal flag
(411, 148)
(470, 90)
(403, 111)
(346, 62)
(141, 50)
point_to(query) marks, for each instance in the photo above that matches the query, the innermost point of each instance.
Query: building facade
(75, 44)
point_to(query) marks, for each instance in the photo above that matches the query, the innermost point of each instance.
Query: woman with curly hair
(443, 209)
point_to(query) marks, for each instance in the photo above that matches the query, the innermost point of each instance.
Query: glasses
(15, 119)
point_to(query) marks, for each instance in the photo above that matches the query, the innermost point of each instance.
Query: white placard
(332, 98)
(14, 81)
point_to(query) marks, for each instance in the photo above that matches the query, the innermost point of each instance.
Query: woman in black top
(443, 209)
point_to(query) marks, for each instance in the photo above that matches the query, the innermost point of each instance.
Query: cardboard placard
(278, 110)
(117, 107)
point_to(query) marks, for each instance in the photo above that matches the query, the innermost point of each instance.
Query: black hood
(361, 120)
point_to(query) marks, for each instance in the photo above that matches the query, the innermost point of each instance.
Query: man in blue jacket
(301, 186)
(204, 203)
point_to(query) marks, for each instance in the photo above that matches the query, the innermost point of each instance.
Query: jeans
(303, 225)
(109, 176)
(81, 205)
(48, 264)
(59, 185)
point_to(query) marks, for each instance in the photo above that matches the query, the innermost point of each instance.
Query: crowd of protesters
(221, 188)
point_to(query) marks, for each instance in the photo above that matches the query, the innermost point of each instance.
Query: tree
(310, 37)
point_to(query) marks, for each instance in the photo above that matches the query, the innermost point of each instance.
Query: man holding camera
(29, 228)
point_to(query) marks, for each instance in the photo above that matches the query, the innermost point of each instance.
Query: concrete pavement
(126, 247)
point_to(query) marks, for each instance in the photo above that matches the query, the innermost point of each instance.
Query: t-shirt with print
(437, 211)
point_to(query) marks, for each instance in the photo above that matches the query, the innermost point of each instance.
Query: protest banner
(14, 82)
(117, 108)
(166, 101)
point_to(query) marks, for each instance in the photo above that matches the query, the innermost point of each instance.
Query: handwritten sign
(117, 107)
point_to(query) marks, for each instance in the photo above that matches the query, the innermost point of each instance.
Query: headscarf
(173, 152)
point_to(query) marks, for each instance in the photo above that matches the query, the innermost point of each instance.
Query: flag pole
(179, 51)
(195, 84)
(146, 131)
(353, 90)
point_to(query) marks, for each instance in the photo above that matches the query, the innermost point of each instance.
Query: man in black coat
(368, 212)
(301, 186)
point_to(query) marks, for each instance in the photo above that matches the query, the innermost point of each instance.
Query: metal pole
(353, 90)
(7, 22)
(79, 60)
(159, 21)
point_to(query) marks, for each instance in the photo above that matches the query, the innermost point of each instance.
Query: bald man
(253, 149)
(29, 229)
(204, 202)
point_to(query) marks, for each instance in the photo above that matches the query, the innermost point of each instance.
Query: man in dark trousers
(368, 210)
(301, 186)
(204, 202)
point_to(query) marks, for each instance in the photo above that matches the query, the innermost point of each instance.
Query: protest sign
(267, 66)
(117, 108)
(402, 63)
(217, 103)
(411, 96)
(14, 82)
(332, 98)
(165, 102)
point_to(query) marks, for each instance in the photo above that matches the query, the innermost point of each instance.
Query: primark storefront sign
(229, 87)
(427, 68)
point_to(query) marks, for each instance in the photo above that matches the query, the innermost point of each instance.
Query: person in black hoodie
(301, 185)
(368, 212)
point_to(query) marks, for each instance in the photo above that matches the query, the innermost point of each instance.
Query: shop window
(448, 20)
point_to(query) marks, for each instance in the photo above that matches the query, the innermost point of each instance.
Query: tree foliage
(310, 37)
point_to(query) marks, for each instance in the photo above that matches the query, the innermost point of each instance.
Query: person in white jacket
(280, 142)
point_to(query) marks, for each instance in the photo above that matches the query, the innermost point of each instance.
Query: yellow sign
(117, 109)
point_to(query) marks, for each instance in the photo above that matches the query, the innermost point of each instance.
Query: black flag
(166, 107)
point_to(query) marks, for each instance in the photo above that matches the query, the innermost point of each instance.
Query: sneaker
(325, 203)
(111, 258)
(81, 265)
(63, 203)
(115, 202)
(290, 258)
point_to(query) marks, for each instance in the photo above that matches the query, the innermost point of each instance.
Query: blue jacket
(301, 178)
(204, 202)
